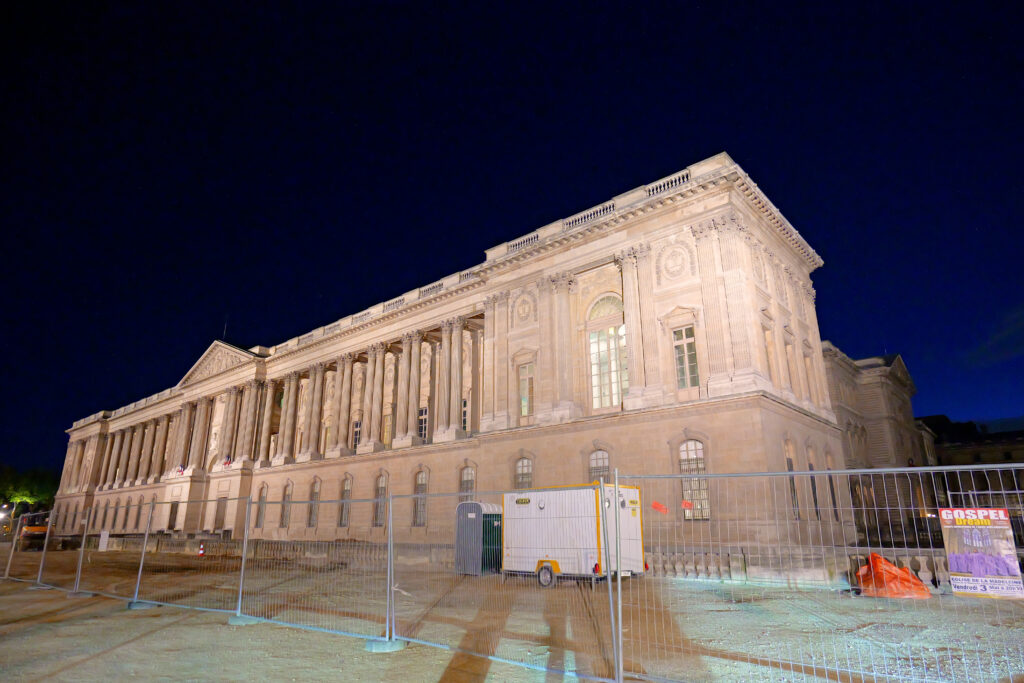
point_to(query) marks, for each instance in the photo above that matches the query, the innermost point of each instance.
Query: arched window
(117, 511)
(103, 520)
(286, 506)
(344, 505)
(380, 501)
(467, 483)
(524, 473)
(69, 523)
(138, 514)
(599, 465)
(606, 335)
(814, 484)
(261, 508)
(419, 510)
(127, 509)
(832, 485)
(696, 502)
(314, 504)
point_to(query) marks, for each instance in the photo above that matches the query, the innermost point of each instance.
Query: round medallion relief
(524, 308)
(674, 262)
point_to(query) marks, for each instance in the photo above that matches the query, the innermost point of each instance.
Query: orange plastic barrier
(882, 579)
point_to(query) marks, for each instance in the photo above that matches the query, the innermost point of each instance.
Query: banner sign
(981, 553)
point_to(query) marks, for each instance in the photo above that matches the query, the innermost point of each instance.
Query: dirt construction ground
(679, 630)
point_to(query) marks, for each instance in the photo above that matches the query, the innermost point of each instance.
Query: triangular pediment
(218, 358)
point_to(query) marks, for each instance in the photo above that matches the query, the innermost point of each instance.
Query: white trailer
(558, 532)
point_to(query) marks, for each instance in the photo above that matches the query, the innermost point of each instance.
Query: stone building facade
(671, 328)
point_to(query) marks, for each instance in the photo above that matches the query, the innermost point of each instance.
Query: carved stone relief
(216, 360)
(524, 309)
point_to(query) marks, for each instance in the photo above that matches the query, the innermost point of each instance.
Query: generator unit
(555, 533)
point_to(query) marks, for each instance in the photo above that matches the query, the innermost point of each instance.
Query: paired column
(183, 442)
(266, 425)
(338, 444)
(250, 405)
(200, 436)
(156, 466)
(373, 396)
(286, 435)
(122, 461)
(444, 361)
(226, 447)
(146, 456)
(111, 463)
(314, 416)
(494, 378)
(626, 262)
(101, 476)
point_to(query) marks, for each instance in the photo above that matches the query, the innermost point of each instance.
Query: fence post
(42, 558)
(607, 569)
(245, 550)
(81, 551)
(14, 541)
(390, 628)
(618, 575)
(142, 557)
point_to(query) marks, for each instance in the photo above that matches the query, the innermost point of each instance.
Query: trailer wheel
(546, 576)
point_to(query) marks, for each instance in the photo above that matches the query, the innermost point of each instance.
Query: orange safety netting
(882, 579)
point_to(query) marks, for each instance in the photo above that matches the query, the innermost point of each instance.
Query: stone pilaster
(653, 389)
(544, 383)
(342, 415)
(705, 234)
(626, 261)
(412, 402)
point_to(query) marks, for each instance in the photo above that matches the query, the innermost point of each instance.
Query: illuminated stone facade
(677, 312)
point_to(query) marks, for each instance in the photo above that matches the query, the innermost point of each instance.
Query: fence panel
(112, 548)
(318, 564)
(199, 569)
(60, 561)
(27, 544)
(476, 589)
(755, 577)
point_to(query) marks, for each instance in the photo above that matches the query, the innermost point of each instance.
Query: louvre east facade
(670, 329)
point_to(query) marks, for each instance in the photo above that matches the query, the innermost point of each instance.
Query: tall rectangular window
(421, 424)
(314, 505)
(465, 415)
(357, 428)
(172, 516)
(286, 507)
(386, 431)
(526, 389)
(419, 511)
(685, 344)
(524, 473)
(467, 484)
(832, 492)
(696, 503)
(261, 508)
(380, 503)
(609, 379)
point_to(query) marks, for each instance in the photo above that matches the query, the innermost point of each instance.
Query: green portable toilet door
(491, 560)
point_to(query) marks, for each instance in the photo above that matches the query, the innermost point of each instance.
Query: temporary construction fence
(735, 575)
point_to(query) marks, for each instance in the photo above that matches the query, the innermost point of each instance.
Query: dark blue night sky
(169, 167)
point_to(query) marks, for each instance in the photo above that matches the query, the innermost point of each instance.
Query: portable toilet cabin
(554, 533)
(477, 538)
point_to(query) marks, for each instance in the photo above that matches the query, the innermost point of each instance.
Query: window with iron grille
(696, 494)
(467, 484)
(465, 415)
(419, 511)
(685, 345)
(286, 507)
(380, 501)
(314, 505)
(524, 473)
(344, 505)
(421, 424)
(598, 465)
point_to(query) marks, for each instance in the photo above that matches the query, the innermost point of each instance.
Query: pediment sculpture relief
(214, 361)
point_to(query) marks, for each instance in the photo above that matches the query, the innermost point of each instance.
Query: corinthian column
(402, 409)
(122, 462)
(226, 446)
(444, 381)
(102, 474)
(343, 403)
(156, 467)
(286, 445)
(412, 400)
(200, 436)
(146, 456)
(243, 450)
(455, 398)
(373, 443)
(314, 417)
(183, 442)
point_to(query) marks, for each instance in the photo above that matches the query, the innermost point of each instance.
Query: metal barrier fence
(650, 577)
